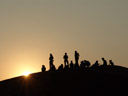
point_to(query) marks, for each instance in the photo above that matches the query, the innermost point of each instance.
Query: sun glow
(26, 73)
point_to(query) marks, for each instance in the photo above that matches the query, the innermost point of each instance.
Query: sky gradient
(32, 29)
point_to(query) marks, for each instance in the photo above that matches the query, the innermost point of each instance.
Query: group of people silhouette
(83, 64)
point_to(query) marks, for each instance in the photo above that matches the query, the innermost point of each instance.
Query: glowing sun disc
(26, 73)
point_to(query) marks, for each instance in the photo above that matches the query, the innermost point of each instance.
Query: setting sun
(26, 73)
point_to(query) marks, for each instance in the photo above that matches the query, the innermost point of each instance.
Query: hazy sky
(32, 29)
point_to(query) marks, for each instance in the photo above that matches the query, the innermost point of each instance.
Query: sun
(26, 73)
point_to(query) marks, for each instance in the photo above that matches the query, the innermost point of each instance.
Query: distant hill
(101, 81)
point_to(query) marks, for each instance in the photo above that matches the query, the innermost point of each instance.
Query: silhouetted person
(76, 57)
(104, 62)
(51, 59)
(66, 67)
(60, 67)
(86, 63)
(96, 64)
(66, 59)
(71, 65)
(43, 68)
(53, 68)
(111, 63)
(82, 65)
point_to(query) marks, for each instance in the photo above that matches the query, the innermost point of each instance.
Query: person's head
(85, 60)
(50, 54)
(82, 62)
(62, 65)
(110, 60)
(102, 58)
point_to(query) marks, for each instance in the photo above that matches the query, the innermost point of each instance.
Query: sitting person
(60, 67)
(71, 65)
(43, 68)
(104, 62)
(111, 63)
(96, 64)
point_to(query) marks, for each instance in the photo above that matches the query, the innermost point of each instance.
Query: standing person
(65, 59)
(76, 57)
(51, 59)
